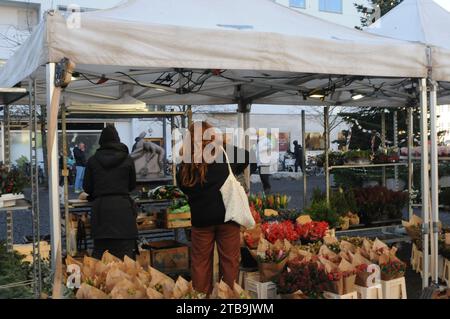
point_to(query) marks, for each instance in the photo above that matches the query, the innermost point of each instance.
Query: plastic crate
(260, 290)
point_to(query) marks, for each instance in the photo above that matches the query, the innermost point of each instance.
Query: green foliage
(341, 202)
(334, 159)
(13, 270)
(22, 163)
(321, 211)
(379, 203)
(11, 180)
(356, 155)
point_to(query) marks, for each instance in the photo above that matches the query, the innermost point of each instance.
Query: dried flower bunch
(112, 278)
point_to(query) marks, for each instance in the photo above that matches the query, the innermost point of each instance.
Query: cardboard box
(169, 256)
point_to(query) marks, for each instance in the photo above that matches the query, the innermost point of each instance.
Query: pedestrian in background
(298, 154)
(268, 158)
(79, 153)
(110, 177)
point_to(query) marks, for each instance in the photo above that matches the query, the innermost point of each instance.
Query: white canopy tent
(426, 22)
(203, 52)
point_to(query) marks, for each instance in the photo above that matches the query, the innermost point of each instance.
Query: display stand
(260, 290)
(394, 289)
(111, 113)
(330, 295)
(374, 292)
(8, 97)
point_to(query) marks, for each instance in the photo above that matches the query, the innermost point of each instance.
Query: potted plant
(386, 156)
(379, 203)
(357, 157)
(320, 211)
(12, 183)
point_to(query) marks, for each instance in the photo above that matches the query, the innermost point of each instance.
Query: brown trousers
(228, 241)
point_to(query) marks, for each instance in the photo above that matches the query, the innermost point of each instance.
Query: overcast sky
(444, 3)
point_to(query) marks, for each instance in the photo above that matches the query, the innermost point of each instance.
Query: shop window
(297, 3)
(334, 6)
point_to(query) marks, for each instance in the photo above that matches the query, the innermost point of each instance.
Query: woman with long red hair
(201, 175)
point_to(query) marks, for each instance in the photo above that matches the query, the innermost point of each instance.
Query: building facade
(338, 11)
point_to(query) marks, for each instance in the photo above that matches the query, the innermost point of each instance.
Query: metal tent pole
(395, 124)
(189, 116)
(305, 181)
(327, 150)
(410, 120)
(425, 179)
(34, 180)
(7, 163)
(244, 109)
(172, 144)
(434, 184)
(36, 199)
(65, 174)
(383, 143)
(55, 217)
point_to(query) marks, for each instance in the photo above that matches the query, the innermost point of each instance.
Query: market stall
(219, 54)
(425, 22)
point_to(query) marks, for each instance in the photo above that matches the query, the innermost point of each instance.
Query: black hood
(112, 155)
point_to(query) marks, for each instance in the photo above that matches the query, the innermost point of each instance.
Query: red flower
(274, 231)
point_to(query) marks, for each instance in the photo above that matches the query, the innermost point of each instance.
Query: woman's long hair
(193, 171)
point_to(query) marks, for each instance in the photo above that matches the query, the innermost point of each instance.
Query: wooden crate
(169, 256)
(170, 220)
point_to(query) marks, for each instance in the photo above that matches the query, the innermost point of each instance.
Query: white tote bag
(235, 200)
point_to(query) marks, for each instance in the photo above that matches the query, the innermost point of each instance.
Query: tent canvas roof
(422, 21)
(146, 38)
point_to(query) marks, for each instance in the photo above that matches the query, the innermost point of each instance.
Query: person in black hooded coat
(109, 178)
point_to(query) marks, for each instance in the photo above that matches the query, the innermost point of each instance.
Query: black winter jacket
(109, 178)
(80, 157)
(207, 207)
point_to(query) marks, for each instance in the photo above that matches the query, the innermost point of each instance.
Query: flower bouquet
(223, 291)
(312, 232)
(413, 227)
(271, 258)
(112, 278)
(274, 231)
(391, 267)
(341, 277)
(277, 201)
(166, 192)
(360, 263)
(252, 236)
(302, 279)
(257, 202)
(255, 213)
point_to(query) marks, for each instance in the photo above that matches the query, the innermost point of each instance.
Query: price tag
(74, 279)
